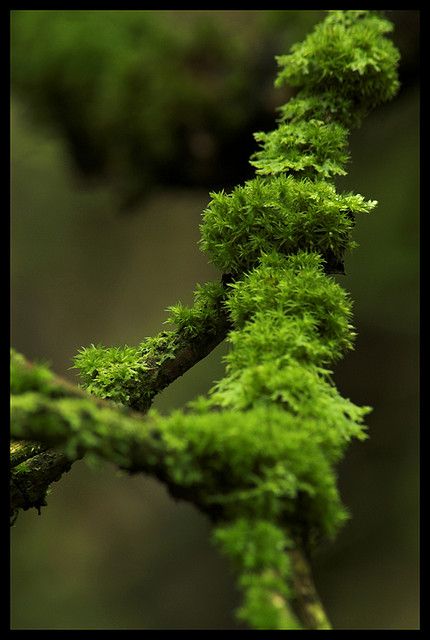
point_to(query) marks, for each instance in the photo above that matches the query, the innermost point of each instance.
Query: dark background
(96, 259)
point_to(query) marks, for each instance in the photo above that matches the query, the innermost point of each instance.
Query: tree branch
(34, 467)
(65, 415)
(253, 458)
(306, 603)
(185, 352)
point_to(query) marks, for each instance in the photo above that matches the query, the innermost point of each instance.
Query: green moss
(304, 148)
(348, 55)
(129, 375)
(29, 378)
(110, 373)
(257, 461)
(22, 468)
(259, 452)
(326, 107)
(202, 317)
(126, 374)
(78, 424)
(293, 284)
(280, 214)
(259, 550)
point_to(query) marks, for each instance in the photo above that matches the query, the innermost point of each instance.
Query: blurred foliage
(157, 97)
(114, 552)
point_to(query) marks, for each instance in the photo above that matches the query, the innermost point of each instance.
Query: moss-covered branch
(161, 361)
(33, 465)
(46, 409)
(258, 453)
(134, 375)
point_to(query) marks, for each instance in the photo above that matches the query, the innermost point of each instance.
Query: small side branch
(34, 466)
(187, 352)
(133, 376)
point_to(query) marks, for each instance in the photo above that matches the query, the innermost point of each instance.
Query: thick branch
(84, 424)
(33, 464)
(36, 468)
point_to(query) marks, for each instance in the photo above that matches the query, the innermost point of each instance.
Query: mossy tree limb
(134, 375)
(211, 459)
(78, 424)
(258, 453)
(34, 467)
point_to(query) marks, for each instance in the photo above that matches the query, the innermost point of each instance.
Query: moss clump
(303, 148)
(131, 375)
(203, 315)
(348, 55)
(123, 374)
(296, 291)
(256, 462)
(280, 214)
(24, 377)
(259, 549)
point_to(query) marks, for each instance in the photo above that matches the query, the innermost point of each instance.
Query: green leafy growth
(109, 372)
(290, 289)
(203, 314)
(259, 452)
(343, 69)
(128, 375)
(325, 107)
(259, 552)
(124, 374)
(347, 55)
(23, 378)
(303, 148)
(280, 214)
(257, 463)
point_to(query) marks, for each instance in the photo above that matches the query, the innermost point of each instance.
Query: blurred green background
(122, 122)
